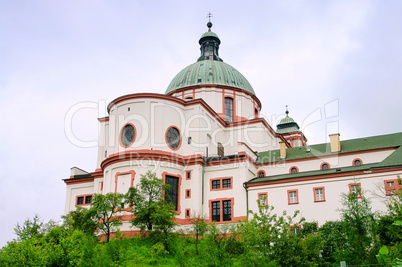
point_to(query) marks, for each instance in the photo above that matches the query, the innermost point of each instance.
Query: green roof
(209, 72)
(363, 167)
(353, 145)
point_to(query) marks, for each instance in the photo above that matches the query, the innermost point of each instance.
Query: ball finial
(209, 24)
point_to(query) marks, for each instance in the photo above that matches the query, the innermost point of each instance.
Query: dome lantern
(209, 69)
(209, 42)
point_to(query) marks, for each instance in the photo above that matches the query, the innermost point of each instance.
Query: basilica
(205, 138)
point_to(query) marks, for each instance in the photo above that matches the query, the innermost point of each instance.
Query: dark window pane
(80, 200)
(325, 167)
(226, 183)
(293, 170)
(216, 184)
(227, 210)
(172, 192)
(261, 174)
(216, 211)
(228, 109)
(88, 199)
(358, 163)
(173, 137)
(128, 135)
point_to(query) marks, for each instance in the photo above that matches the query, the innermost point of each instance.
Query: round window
(127, 135)
(173, 137)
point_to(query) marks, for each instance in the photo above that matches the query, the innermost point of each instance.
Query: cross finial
(209, 16)
(209, 24)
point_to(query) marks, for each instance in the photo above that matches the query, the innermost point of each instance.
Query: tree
(334, 241)
(199, 228)
(33, 227)
(269, 240)
(29, 228)
(151, 210)
(360, 228)
(81, 219)
(104, 209)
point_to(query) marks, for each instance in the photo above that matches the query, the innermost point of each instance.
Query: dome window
(228, 109)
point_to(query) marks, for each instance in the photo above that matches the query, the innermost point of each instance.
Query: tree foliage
(265, 239)
(29, 228)
(151, 210)
(360, 228)
(82, 219)
(105, 209)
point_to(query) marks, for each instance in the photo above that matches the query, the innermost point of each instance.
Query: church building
(205, 138)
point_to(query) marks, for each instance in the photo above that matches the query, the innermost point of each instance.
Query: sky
(336, 64)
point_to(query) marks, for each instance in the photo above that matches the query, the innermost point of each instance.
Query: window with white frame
(292, 197)
(319, 194)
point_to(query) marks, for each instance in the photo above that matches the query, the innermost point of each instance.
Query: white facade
(206, 123)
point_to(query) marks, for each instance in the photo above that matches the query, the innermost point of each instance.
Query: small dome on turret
(287, 125)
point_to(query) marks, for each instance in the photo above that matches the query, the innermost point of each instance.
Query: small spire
(287, 111)
(209, 24)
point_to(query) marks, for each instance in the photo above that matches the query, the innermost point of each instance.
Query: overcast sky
(336, 64)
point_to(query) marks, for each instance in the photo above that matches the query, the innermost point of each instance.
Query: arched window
(261, 174)
(221, 150)
(325, 166)
(294, 170)
(357, 162)
(228, 109)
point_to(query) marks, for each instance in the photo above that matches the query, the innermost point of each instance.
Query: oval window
(127, 135)
(173, 137)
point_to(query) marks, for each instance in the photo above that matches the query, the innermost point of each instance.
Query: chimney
(335, 142)
(282, 148)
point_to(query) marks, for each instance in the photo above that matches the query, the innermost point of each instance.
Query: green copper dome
(287, 119)
(209, 72)
(209, 68)
(209, 34)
